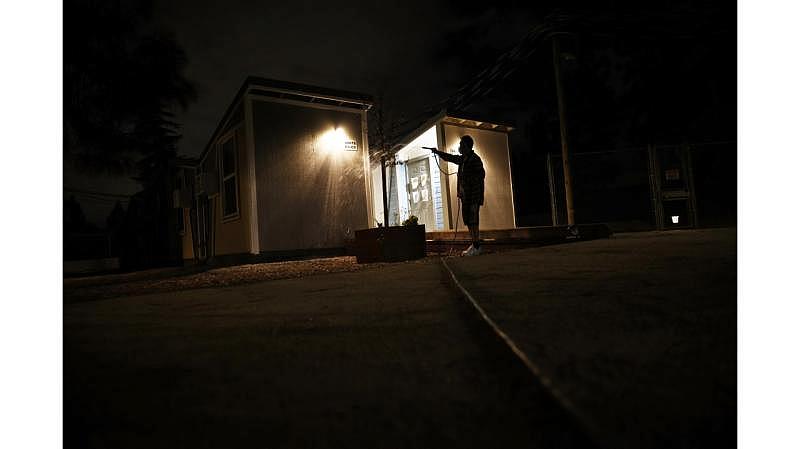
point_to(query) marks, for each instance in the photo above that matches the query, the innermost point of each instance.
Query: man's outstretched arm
(452, 158)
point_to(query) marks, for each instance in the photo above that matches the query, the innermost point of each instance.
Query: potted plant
(387, 243)
(392, 243)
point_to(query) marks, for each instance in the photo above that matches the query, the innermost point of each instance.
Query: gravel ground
(168, 280)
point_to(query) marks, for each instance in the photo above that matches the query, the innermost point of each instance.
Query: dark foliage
(122, 76)
(116, 218)
(74, 218)
(82, 240)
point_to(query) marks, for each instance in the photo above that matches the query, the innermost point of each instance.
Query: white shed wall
(309, 194)
(497, 211)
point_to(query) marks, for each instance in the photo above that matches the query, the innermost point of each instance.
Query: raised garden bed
(390, 244)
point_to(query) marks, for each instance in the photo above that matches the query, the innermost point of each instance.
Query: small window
(230, 194)
(229, 157)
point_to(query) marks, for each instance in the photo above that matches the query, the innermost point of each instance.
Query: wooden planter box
(392, 244)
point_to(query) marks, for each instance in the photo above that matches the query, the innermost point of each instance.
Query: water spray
(458, 213)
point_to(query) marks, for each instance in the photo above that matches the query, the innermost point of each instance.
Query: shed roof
(311, 93)
(458, 118)
(290, 91)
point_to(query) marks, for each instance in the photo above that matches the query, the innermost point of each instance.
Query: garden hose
(458, 213)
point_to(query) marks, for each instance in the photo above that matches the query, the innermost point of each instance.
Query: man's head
(465, 146)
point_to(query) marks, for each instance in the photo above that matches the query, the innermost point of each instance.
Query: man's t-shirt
(470, 176)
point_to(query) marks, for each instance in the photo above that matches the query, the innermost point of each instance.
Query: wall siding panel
(309, 196)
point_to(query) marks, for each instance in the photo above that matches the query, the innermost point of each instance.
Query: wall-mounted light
(676, 219)
(332, 140)
(336, 140)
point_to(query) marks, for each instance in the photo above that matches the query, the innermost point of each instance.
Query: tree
(116, 217)
(122, 76)
(381, 135)
(74, 219)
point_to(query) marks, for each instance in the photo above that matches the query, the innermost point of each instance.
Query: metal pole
(655, 187)
(562, 115)
(687, 151)
(552, 185)
(383, 188)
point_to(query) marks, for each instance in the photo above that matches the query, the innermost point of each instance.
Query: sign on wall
(350, 145)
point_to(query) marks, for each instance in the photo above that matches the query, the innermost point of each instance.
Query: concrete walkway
(638, 331)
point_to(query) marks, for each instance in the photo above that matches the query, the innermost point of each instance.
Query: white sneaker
(471, 251)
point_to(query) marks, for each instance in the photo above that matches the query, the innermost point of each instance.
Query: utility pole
(552, 187)
(562, 116)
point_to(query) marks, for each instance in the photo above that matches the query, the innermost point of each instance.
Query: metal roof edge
(236, 99)
(310, 90)
(419, 130)
(289, 87)
(467, 117)
(443, 115)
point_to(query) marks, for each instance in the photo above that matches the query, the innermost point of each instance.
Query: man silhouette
(470, 188)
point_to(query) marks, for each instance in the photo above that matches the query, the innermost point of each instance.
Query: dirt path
(378, 358)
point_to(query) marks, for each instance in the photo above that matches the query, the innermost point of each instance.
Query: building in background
(283, 174)
(421, 185)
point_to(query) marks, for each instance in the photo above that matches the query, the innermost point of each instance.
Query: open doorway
(414, 185)
(420, 193)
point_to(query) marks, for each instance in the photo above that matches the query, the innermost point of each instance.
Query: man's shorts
(470, 212)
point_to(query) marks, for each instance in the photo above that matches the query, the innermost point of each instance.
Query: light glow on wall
(336, 141)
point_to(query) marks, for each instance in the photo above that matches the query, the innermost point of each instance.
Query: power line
(508, 62)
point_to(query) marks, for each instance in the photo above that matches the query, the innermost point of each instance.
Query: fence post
(690, 185)
(655, 187)
(552, 186)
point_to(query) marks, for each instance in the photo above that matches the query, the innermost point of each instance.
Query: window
(230, 194)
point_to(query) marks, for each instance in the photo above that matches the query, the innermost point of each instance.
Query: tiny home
(420, 184)
(284, 172)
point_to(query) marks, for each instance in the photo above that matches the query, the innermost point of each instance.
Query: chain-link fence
(654, 187)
